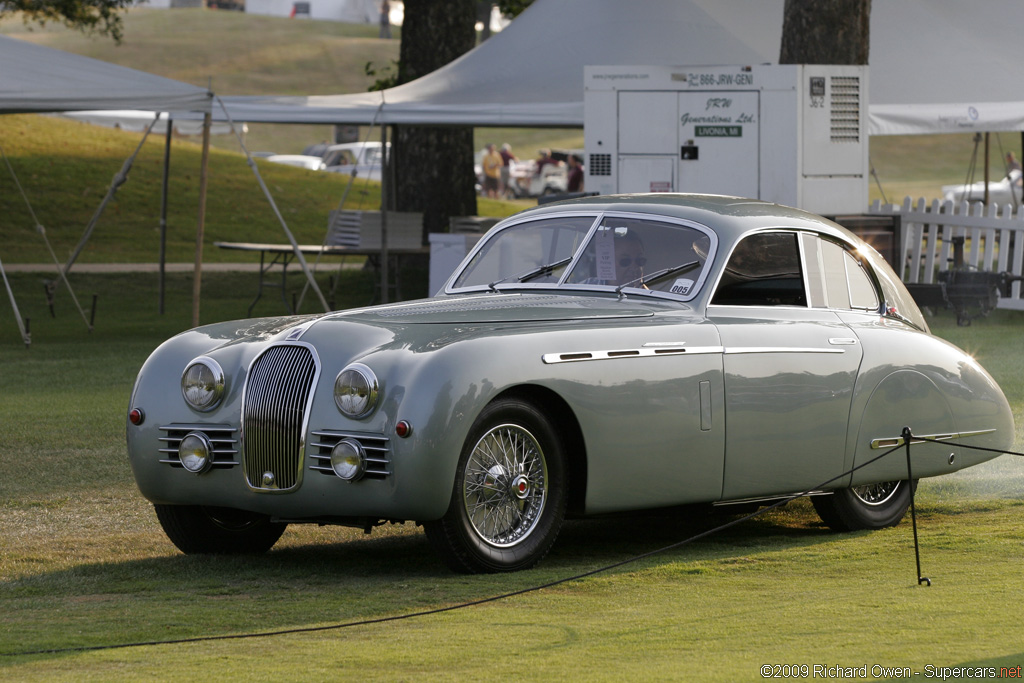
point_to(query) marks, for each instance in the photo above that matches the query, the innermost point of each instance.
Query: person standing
(507, 157)
(492, 171)
(575, 174)
(385, 19)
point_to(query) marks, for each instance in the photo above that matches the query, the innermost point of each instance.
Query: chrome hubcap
(504, 491)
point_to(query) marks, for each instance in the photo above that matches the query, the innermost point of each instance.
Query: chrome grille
(223, 438)
(273, 416)
(378, 456)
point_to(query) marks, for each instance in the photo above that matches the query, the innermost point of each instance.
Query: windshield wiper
(532, 273)
(658, 275)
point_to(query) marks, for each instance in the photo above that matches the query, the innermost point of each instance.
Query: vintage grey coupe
(592, 356)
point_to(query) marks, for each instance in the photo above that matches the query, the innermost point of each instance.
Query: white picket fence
(994, 240)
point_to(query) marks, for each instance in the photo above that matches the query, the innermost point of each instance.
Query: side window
(764, 270)
(862, 289)
(838, 277)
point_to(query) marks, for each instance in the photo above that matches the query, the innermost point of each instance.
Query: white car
(1005, 191)
(301, 160)
(362, 158)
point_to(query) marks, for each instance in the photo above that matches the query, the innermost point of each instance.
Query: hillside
(65, 168)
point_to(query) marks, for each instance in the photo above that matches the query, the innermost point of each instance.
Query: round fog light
(348, 460)
(195, 452)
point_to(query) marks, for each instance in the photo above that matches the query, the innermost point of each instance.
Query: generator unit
(795, 134)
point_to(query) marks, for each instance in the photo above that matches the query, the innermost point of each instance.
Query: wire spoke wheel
(868, 506)
(509, 495)
(504, 489)
(876, 494)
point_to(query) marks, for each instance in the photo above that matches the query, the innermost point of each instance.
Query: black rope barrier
(908, 439)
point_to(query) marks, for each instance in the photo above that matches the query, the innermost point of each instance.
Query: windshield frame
(561, 285)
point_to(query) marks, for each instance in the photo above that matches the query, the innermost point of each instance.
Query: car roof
(730, 217)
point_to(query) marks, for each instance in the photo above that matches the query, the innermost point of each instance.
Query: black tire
(874, 506)
(507, 507)
(220, 531)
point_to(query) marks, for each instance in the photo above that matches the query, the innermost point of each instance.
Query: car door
(790, 367)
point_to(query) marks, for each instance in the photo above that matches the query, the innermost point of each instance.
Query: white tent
(945, 66)
(39, 79)
(936, 65)
(530, 74)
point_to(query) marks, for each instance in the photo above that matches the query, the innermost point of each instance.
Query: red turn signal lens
(403, 429)
(136, 416)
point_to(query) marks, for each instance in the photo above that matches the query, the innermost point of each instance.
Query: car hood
(503, 308)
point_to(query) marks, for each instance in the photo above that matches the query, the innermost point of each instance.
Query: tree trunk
(433, 166)
(826, 32)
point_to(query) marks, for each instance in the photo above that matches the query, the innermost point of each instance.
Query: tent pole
(384, 188)
(986, 169)
(273, 205)
(201, 227)
(163, 211)
(25, 336)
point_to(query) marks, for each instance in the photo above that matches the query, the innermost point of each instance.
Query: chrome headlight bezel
(348, 460)
(356, 391)
(203, 394)
(196, 452)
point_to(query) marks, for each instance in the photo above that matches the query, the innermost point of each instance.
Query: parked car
(362, 158)
(592, 356)
(526, 181)
(310, 163)
(1005, 191)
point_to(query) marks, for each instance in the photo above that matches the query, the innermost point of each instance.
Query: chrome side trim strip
(646, 351)
(779, 349)
(894, 442)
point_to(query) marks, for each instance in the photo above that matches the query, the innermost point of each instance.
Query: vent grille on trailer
(846, 122)
(600, 164)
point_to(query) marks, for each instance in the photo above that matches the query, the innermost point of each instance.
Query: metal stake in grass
(907, 437)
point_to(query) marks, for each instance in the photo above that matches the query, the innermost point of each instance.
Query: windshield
(524, 247)
(621, 252)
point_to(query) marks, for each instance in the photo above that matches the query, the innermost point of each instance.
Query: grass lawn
(83, 562)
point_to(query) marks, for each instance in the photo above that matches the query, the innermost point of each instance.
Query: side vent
(600, 164)
(845, 96)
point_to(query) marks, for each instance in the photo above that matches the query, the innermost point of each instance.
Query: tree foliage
(826, 32)
(100, 17)
(512, 8)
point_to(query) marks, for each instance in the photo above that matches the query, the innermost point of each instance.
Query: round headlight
(202, 384)
(356, 390)
(196, 452)
(348, 460)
